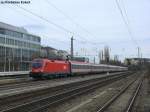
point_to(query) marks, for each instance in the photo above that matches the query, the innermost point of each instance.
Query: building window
(2, 31)
(14, 34)
(9, 41)
(2, 40)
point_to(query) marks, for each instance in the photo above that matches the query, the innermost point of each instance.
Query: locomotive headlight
(64, 67)
(41, 70)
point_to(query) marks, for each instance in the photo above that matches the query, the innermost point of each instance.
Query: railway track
(57, 95)
(31, 82)
(131, 101)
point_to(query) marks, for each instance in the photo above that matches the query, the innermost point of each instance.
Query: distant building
(49, 52)
(52, 53)
(81, 59)
(62, 54)
(136, 61)
(17, 48)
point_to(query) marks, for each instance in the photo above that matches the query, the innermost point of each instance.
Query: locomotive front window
(36, 65)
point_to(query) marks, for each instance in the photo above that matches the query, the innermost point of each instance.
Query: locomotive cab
(45, 68)
(37, 68)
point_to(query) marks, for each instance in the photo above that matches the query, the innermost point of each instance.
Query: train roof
(78, 63)
(83, 63)
(45, 59)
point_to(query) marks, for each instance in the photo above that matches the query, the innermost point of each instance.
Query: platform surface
(11, 73)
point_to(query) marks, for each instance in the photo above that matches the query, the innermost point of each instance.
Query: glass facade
(17, 49)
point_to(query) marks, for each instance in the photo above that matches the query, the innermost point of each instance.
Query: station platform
(13, 73)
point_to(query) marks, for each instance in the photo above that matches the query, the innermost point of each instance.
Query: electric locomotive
(45, 68)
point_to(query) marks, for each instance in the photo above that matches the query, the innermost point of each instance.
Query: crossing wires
(126, 22)
(51, 22)
(59, 26)
(70, 18)
(45, 19)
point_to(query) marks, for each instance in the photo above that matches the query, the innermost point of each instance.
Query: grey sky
(100, 17)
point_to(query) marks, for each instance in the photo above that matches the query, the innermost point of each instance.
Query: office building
(17, 48)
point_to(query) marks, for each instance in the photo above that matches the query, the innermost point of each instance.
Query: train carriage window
(78, 66)
(82, 66)
(36, 65)
(100, 67)
(86, 66)
(93, 67)
(74, 66)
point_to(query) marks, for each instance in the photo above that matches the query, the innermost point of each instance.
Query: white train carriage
(80, 68)
(96, 68)
(83, 68)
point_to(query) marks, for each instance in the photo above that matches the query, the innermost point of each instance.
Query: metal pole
(72, 47)
(13, 62)
(21, 60)
(138, 52)
(10, 58)
(5, 55)
(14, 54)
(9, 63)
(139, 57)
(94, 59)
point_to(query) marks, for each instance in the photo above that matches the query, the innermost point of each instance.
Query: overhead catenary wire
(59, 41)
(125, 12)
(53, 39)
(45, 19)
(85, 41)
(126, 23)
(15, 10)
(66, 30)
(77, 24)
(70, 18)
(50, 22)
(92, 43)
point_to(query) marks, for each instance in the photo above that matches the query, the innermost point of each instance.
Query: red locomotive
(45, 68)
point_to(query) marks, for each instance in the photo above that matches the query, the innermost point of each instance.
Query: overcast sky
(93, 23)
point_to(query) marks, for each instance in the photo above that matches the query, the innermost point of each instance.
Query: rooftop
(15, 28)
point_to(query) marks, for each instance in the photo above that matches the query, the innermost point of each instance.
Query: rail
(43, 103)
(129, 107)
